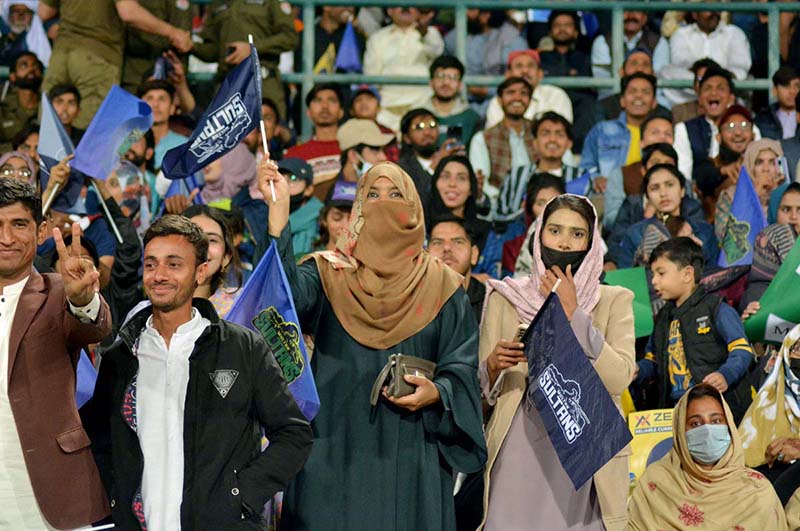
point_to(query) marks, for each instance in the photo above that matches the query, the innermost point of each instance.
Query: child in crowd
(697, 337)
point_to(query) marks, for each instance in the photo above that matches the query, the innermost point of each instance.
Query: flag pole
(109, 218)
(50, 198)
(555, 286)
(257, 69)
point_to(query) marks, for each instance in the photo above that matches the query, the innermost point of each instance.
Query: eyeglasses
(426, 125)
(449, 77)
(744, 125)
(10, 171)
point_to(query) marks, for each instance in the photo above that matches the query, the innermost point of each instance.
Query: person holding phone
(526, 486)
(447, 103)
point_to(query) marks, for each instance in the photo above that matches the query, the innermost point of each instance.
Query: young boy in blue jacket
(697, 337)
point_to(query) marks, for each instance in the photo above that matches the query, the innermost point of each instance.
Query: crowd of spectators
(652, 172)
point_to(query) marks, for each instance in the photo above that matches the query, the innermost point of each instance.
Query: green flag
(635, 279)
(780, 309)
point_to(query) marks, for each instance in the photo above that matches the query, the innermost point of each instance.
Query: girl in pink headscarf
(526, 487)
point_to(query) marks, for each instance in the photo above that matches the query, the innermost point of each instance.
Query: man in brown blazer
(48, 477)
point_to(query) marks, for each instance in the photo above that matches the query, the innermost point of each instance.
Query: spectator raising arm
(140, 18)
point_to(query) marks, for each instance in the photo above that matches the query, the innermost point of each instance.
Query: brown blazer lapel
(33, 296)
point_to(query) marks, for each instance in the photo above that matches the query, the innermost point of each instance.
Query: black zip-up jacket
(227, 479)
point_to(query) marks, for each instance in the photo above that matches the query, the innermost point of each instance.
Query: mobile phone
(521, 329)
(455, 132)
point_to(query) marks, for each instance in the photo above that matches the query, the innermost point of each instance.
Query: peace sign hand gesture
(81, 279)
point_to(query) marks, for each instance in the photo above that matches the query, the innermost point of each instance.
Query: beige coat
(613, 317)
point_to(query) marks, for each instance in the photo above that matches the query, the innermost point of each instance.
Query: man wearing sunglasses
(421, 152)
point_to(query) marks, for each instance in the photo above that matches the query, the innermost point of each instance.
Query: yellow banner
(648, 428)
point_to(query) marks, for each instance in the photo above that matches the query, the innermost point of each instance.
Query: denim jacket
(606, 147)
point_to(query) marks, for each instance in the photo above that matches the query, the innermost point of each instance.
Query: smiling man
(614, 143)
(181, 400)
(47, 476)
(696, 139)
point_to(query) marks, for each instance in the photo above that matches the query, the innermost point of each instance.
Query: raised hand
(181, 40)
(269, 177)
(81, 279)
(567, 293)
(240, 51)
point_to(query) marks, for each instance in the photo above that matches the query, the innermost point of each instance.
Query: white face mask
(365, 167)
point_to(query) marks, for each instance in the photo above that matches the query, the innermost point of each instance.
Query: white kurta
(19, 509)
(160, 399)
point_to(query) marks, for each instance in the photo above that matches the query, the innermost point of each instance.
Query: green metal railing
(307, 78)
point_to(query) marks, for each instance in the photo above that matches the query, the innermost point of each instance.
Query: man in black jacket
(181, 400)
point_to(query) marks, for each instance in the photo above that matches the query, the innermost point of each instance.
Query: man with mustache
(614, 143)
(21, 103)
(636, 36)
(324, 108)
(696, 139)
(566, 60)
(25, 32)
(509, 144)
(706, 37)
(452, 242)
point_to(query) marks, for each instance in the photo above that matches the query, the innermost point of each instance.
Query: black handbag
(398, 366)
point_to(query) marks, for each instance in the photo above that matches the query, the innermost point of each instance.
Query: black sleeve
(707, 176)
(96, 419)
(123, 291)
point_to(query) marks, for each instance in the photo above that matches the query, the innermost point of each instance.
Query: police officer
(88, 50)
(142, 48)
(20, 103)
(225, 39)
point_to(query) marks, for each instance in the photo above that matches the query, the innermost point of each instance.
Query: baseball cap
(532, 53)
(361, 131)
(297, 167)
(341, 195)
(735, 109)
(365, 89)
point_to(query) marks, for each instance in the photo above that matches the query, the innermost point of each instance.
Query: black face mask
(554, 257)
(296, 201)
(794, 364)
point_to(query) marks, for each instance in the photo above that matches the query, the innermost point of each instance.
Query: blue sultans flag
(580, 186)
(266, 306)
(348, 57)
(121, 120)
(581, 419)
(745, 221)
(234, 112)
(54, 145)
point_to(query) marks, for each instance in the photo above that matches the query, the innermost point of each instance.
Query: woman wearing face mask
(703, 482)
(761, 162)
(454, 191)
(526, 487)
(390, 466)
(665, 189)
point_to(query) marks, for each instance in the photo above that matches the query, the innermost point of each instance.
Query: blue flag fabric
(234, 112)
(581, 419)
(54, 145)
(121, 120)
(745, 221)
(86, 377)
(581, 185)
(348, 57)
(266, 306)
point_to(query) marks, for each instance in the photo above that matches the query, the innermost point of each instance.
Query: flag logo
(735, 242)
(564, 398)
(224, 128)
(223, 380)
(283, 340)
